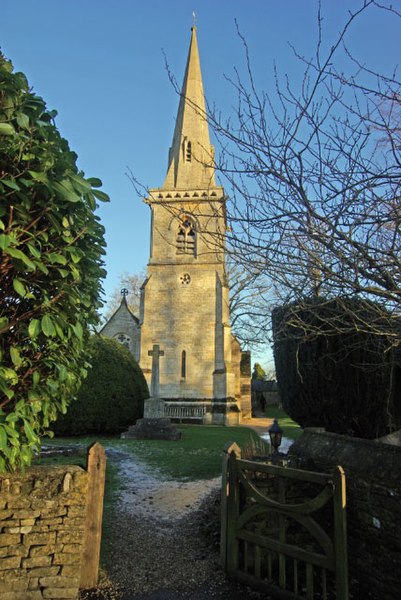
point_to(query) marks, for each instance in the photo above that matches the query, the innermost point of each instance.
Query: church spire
(191, 155)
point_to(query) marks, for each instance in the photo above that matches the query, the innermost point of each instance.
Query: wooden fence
(283, 530)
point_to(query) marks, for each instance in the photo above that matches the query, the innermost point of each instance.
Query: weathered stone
(9, 539)
(123, 321)
(153, 429)
(26, 514)
(67, 483)
(11, 562)
(73, 522)
(59, 582)
(10, 574)
(18, 502)
(45, 506)
(5, 485)
(45, 550)
(16, 583)
(29, 525)
(52, 513)
(44, 571)
(18, 550)
(373, 513)
(72, 499)
(36, 561)
(48, 522)
(15, 488)
(187, 262)
(34, 595)
(76, 511)
(40, 528)
(33, 583)
(69, 537)
(66, 559)
(65, 593)
(38, 539)
(71, 548)
(26, 522)
(28, 595)
(26, 529)
(69, 570)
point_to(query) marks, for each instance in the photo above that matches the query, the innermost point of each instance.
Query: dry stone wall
(373, 481)
(42, 526)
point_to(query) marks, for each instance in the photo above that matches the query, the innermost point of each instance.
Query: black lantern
(276, 434)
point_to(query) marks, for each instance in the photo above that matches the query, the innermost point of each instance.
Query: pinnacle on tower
(191, 154)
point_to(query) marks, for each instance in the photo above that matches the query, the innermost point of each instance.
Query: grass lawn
(291, 429)
(197, 455)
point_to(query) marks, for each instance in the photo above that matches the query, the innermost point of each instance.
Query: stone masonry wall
(373, 481)
(42, 524)
(124, 322)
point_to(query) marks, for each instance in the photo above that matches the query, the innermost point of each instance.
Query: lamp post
(276, 434)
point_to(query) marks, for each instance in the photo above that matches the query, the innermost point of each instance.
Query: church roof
(122, 310)
(191, 155)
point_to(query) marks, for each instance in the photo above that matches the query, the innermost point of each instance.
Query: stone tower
(184, 304)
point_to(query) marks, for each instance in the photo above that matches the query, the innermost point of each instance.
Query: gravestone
(154, 425)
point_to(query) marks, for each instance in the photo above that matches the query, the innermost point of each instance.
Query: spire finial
(194, 18)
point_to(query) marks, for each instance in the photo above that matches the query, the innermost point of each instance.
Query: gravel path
(164, 541)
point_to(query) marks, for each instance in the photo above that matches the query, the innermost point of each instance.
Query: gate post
(96, 467)
(340, 534)
(229, 508)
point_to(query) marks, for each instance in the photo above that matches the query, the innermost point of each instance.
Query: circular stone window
(185, 279)
(123, 339)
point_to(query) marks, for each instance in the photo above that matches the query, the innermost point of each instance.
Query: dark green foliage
(51, 245)
(258, 372)
(333, 370)
(111, 397)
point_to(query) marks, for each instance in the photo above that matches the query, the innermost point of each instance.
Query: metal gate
(283, 530)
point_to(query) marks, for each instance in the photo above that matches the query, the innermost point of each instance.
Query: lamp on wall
(276, 434)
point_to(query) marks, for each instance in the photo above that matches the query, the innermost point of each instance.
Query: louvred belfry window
(186, 237)
(188, 152)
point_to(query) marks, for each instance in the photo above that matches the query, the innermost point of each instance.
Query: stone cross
(155, 353)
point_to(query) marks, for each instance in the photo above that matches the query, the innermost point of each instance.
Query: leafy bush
(332, 370)
(50, 269)
(258, 372)
(111, 397)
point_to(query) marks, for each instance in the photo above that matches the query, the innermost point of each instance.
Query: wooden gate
(283, 530)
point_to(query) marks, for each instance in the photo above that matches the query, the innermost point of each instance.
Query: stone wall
(42, 525)
(123, 327)
(373, 480)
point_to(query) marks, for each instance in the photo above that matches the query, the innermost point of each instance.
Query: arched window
(186, 237)
(183, 364)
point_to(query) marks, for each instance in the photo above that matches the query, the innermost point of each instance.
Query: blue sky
(100, 65)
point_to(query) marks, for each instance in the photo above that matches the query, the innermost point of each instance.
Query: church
(184, 320)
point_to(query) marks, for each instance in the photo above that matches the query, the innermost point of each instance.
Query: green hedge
(331, 371)
(111, 398)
